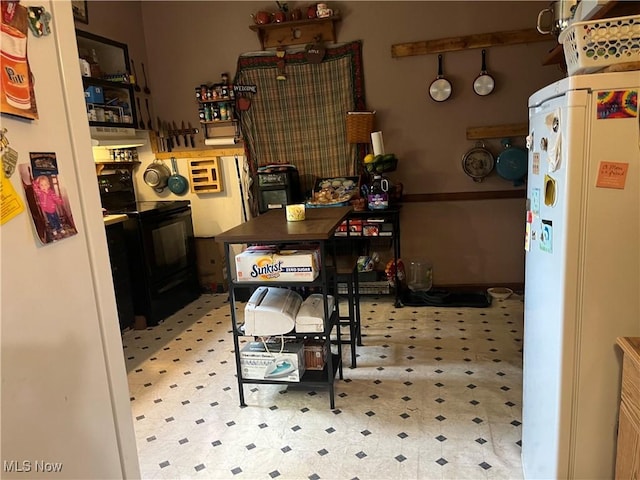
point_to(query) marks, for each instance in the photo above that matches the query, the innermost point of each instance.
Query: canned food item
(198, 93)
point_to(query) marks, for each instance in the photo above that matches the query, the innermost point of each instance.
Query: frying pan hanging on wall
(440, 88)
(484, 83)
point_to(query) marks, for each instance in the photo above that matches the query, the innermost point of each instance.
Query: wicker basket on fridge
(594, 45)
(359, 126)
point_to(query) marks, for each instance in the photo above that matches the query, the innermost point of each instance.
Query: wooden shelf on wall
(466, 42)
(206, 153)
(296, 32)
(498, 131)
(109, 165)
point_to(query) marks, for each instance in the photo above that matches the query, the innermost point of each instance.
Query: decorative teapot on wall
(262, 17)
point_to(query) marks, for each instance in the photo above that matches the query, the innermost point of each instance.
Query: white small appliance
(271, 311)
(310, 318)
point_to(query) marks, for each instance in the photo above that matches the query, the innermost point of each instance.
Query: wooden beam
(463, 196)
(207, 153)
(498, 131)
(481, 40)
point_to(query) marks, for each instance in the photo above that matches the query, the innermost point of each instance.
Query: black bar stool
(345, 271)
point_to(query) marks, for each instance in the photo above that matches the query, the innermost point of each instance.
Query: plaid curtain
(301, 120)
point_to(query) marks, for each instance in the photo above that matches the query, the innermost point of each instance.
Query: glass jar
(420, 277)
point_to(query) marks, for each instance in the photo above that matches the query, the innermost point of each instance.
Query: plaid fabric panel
(302, 120)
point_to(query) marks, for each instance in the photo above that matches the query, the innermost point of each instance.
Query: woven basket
(360, 126)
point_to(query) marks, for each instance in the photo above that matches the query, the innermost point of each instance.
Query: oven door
(162, 261)
(167, 244)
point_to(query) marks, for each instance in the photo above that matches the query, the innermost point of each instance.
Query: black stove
(117, 194)
(160, 247)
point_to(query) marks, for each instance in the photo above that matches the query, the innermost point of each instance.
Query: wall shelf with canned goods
(105, 72)
(217, 112)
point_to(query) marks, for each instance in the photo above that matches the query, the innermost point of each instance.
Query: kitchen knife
(193, 143)
(169, 141)
(161, 134)
(175, 133)
(184, 134)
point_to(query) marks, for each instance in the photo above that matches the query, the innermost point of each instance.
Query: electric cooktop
(150, 207)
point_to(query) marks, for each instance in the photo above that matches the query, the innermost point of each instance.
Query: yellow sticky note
(10, 203)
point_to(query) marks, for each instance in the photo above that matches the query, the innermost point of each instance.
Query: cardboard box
(315, 354)
(94, 95)
(298, 265)
(211, 266)
(257, 363)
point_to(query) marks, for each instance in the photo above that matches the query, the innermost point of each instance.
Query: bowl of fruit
(380, 163)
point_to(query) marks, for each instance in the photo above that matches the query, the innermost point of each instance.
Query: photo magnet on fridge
(546, 236)
(47, 198)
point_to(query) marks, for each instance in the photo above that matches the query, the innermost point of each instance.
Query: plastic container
(420, 276)
(593, 45)
(378, 198)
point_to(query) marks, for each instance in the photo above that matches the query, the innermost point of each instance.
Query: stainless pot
(157, 175)
(556, 18)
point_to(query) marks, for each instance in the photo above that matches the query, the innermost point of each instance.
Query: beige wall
(468, 242)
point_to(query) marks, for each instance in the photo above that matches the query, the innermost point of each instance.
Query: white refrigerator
(65, 402)
(582, 275)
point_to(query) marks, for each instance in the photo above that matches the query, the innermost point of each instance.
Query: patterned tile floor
(436, 395)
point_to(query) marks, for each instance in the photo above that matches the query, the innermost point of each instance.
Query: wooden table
(628, 455)
(272, 228)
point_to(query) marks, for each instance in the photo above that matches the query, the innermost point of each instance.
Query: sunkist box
(264, 265)
(260, 363)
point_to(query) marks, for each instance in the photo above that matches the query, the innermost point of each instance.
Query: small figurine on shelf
(324, 11)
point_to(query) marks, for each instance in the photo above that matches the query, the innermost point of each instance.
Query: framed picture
(80, 12)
